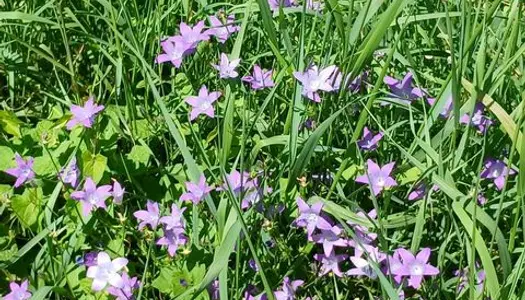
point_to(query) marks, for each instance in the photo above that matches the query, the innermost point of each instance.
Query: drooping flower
(173, 238)
(260, 79)
(313, 80)
(84, 115)
(192, 36)
(126, 292)
(23, 171)
(363, 259)
(378, 178)
(226, 67)
(289, 289)
(496, 169)
(310, 217)
(330, 263)
(92, 197)
(274, 4)
(18, 292)
(403, 89)
(175, 49)
(477, 120)
(330, 238)
(415, 267)
(369, 141)
(447, 107)
(203, 103)
(196, 192)
(106, 271)
(118, 192)
(148, 217)
(222, 30)
(174, 220)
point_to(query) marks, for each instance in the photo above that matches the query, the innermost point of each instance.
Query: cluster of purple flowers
(287, 292)
(93, 197)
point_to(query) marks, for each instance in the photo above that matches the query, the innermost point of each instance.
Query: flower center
(476, 119)
(416, 269)
(205, 105)
(92, 198)
(380, 181)
(311, 218)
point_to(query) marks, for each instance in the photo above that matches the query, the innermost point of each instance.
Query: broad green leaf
(93, 165)
(27, 206)
(7, 158)
(139, 155)
(10, 123)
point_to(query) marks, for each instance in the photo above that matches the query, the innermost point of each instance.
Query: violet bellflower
(126, 292)
(274, 4)
(330, 263)
(311, 218)
(330, 239)
(18, 292)
(415, 267)
(92, 197)
(90, 258)
(149, 217)
(175, 49)
(237, 182)
(254, 195)
(84, 115)
(118, 192)
(222, 30)
(70, 173)
(288, 290)
(395, 264)
(173, 238)
(314, 80)
(420, 191)
(260, 79)
(203, 103)
(447, 107)
(196, 192)
(370, 140)
(497, 170)
(403, 90)
(463, 277)
(213, 289)
(363, 259)
(175, 220)
(192, 35)
(106, 271)
(362, 233)
(226, 67)
(23, 170)
(378, 178)
(477, 119)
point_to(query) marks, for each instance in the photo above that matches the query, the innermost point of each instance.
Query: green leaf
(27, 206)
(93, 165)
(43, 165)
(7, 156)
(139, 155)
(10, 123)
(175, 281)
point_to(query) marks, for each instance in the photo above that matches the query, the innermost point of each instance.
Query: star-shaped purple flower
(18, 292)
(70, 173)
(274, 4)
(237, 182)
(196, 192)
(330, 238)
(314, 80)
(447, 107)
(126, 292)
(173, 238)
(403, 89)
(23, 171)
(363, 260)
(175, 49)
(92, 197)
(192, 36)
(203, 103)
(415, 267)
(477, 120)
(220, 30)
(226, 67)
(260, 79)
(84, 115)
(118, 192)
(370, 140)
(106, 271)
(289, 289)
(394, 265)
(148, 217)
(420, 191)
(330, 263)
(311, 218)
(174, 220)
(378, 178)
(496, 169)
(463, 277)
(362, 233)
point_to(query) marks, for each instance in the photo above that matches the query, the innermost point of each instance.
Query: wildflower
(497, 170)
(314, 5)
(226, 67)
(90, 259)
(254, 196)
(126, 292)
(477, 119)
(175, 49)
(447, 107)
(260, 79)
(394, 265)
(362, 234)
(174, 220)
(173, 238)
(213, 289)
(378, 178)
(237, 182)
(363, 265)
(330, 263)
(481, 199)
(369, 140)
(92, 197)
(288, 290)
(415, 267)
(274, 4)
(192, 36)
(253, 265)
(463, 276)
(420, 191)
(403, 89)
(18, 292)
(106, 272)
(196, 192)
(70, 173)
(203, 103)
(118, 192)
(313, 80)
(148, 217)
(23, 171)
(329, 239)
(310, 217)
(85, 115)
(220, 30)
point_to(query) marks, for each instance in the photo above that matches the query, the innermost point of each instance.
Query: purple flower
(310, 217)
(415, 267)
(220, 30)
(481, 199)
(288, 290)
(23, 171)
(118, 192)
(70, 173)
(478, 119)
(226, 67)
(497, 170)
(175, 220)
(274, 4)
(92, 197)
(378, 178)
(126, 292)
(314, 80)
(369, 140)
(203, 103)
(84, 116)
(261, 79)
(173, 238)
(314, 5)
(254, 196)
(106, 272)
(394, 265)
(463, 276)
(18, 292)
(253, 265)
(149, 216)
(362, 234)
(192, 36)
(363, 259)
(90, 258)
(420, 191)
(403, 89)
(175, 49)
(237, 182)
(196, 192)
(329, 239)
(447, 108)
(330, 263)
(213, 289)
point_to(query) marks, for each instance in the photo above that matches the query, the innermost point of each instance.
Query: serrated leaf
(27, 206)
